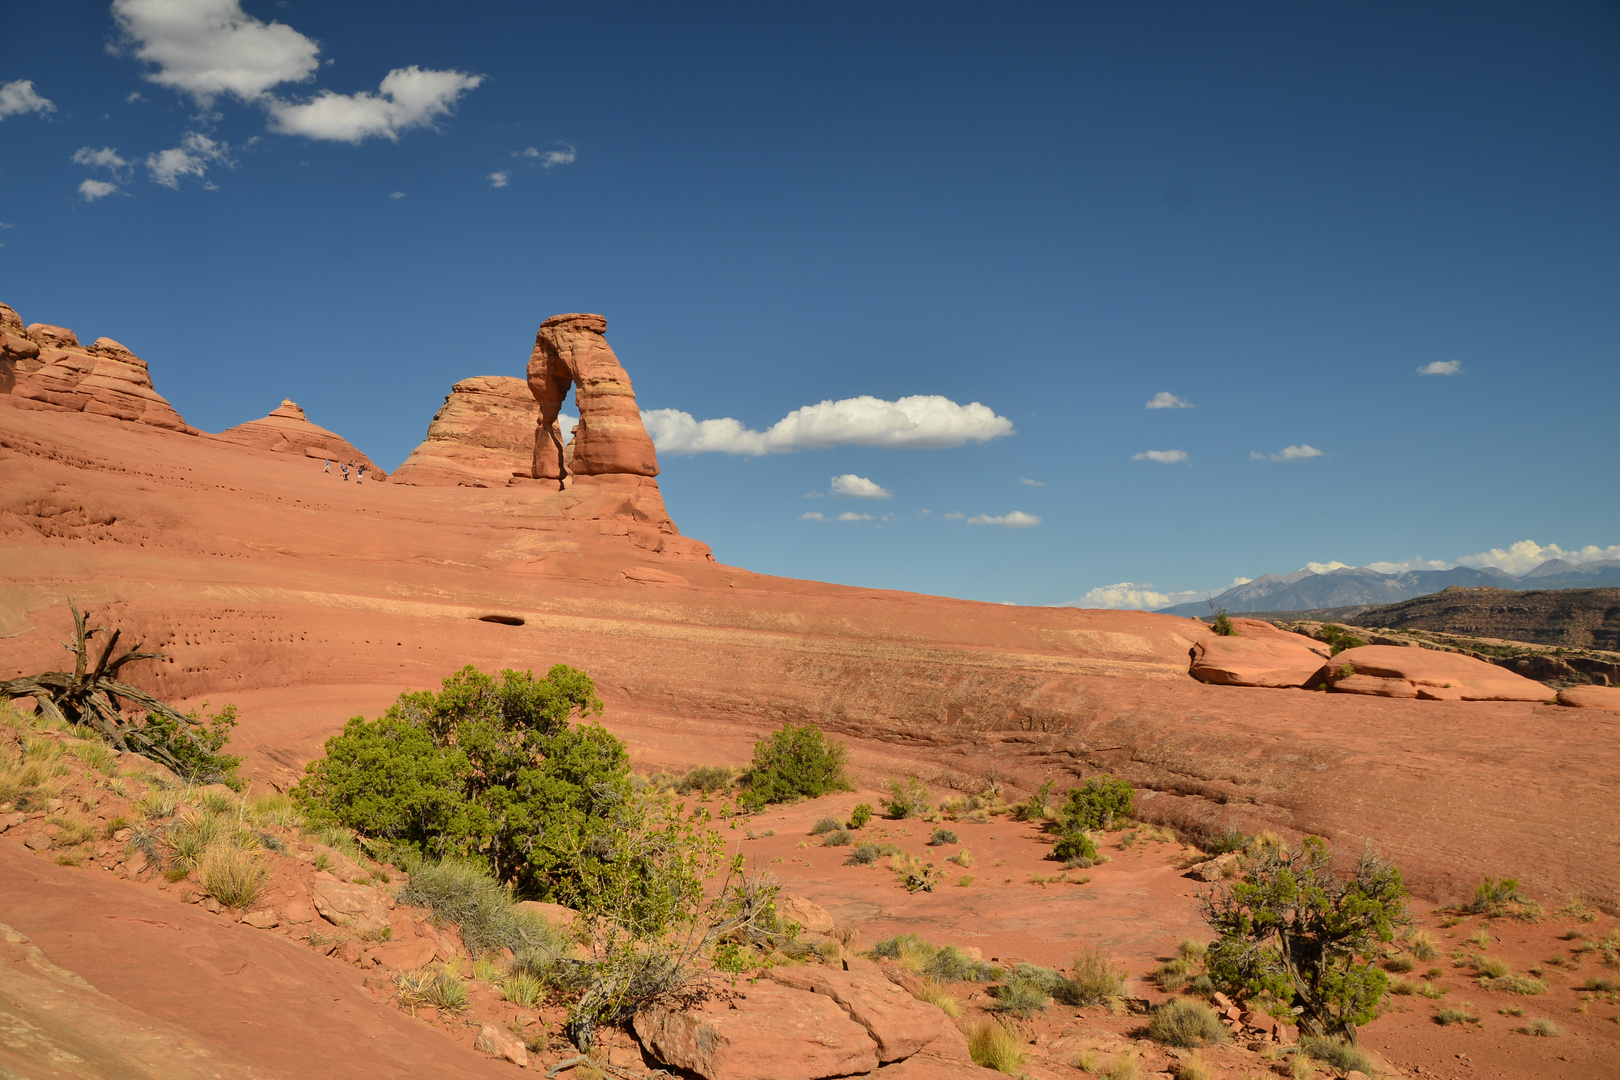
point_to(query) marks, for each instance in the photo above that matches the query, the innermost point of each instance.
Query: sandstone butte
(306, 601)
(286, 430)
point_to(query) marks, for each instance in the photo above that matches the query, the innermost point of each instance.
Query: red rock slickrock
(610, 437)
(1400, 672)
(482, 435)
(286, 430)
(45, 367)
(1256, 653)
(898, 1023)
(1591, 697)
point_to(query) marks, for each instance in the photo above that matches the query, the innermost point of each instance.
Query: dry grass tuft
(233, 877)
(992, 1046)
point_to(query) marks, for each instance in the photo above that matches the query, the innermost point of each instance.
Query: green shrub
(1498, 896)
(1186, 1023)
(941, 836)
(825, 825)
(864, 855)
(1097, 980)
(1096, 804)
(1022, 994)
(1075, 845)
(1339, 1053)
(938, 961)
(483, 768)
(993, 1047)
(795, 763)
(1456, 1016)
(523, 990)
(838, 838)
(197, 747)
(463, 892)
(705, 778)
(860, 816)
(1339, 639)
(1222, 624)
(1297, 931)
(906, 800)
(1545, 1028)
(1034, 807)
(1221, 841)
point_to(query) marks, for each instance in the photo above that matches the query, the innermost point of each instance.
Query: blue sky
(1278, 214)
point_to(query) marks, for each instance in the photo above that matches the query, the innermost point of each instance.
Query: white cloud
(1168, 457)
(1027, 482)
(191, 158)
(206, 48)
(1324, 567)
(928, 422)
(1129, 595)
(533, 151)
(408, 97)
(1409, 564)
(1017, 519)
(95, 189)
(850, 515)
(1441, 367)
(812, 515)
(105, 158)
(552, 158)
(134, 97)
(499, 179)
(567, 424)
(1288, 453)
(20, 97)
(955, 515)
(396, 194)
(850, 486)
(1164, 399)
(1527, 555)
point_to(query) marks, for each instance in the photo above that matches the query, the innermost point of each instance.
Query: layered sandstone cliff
(45, 367)
(482, 436)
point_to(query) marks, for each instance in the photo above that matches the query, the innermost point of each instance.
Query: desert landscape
(271, 582)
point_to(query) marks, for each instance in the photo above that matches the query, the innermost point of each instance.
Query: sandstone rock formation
(1256, 654)
(1392, 671)
(287, 430)
(481, 436)
(570, 350)
(1591, 697)
(45, 367)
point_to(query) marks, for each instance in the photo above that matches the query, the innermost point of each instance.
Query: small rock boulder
(355, 906)
(1591, 697)
(404, 955)
(498, 1042)
(769, 1032)
(808, 914)
(1391, 671)
(1256, 654)
(263, 919)
(1213, 869)
(899, 1024)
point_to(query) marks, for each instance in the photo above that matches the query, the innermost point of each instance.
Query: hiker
(328, 468)
(345, 468)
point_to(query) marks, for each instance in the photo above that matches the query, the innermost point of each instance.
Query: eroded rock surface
(481, 436)
(571, 350)
(1591, 697)
(45, 367)
(898, 1023)
(1392, 671)
(286, 430)
(1256, 654)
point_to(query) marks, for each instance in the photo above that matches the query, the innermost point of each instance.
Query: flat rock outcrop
(45, 367)
(481, 436)
(1591, 697)
(286, 430)
(1393, 671)
(571, 350)
(1256, 654)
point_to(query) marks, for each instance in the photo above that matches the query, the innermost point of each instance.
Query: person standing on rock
(345, 468)
(328, 468)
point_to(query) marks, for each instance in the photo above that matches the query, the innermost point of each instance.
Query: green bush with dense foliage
(196, 749)
(906, 800)
(796, 762)
(1075, 845)
(1096, 804)
(485, 767)
(1295, 935)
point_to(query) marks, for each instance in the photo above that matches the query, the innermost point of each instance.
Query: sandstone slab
(354, 906)
(1393, 671)
(808, 914)
(1256, 654)
(498, 1042)
(1591, 697)
(769, 1032)
(405, 955)
(898, 1023)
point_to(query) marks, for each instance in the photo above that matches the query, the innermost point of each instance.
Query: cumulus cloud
(1017, 519)
(96, 189)
(20, 97)
(1515, 559)
(1288, 453)
(396, 194)
(812, 515)
(1027, 482)
(499, 179)
(1324, 567)
(206, 48)
(1441, 367)
(105, 158)
(192, 157)
(850, 515)
(926, 422)
(1164, 399)
(1129, 595)
(549, 159)
(1167, 457)
(407, 98)
(850, 486)
(567, 424)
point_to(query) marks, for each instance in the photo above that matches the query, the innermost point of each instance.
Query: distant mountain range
(1306, 590)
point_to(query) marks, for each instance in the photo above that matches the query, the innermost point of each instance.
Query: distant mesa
(286, 430)
(481, 436)
(44, 367)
